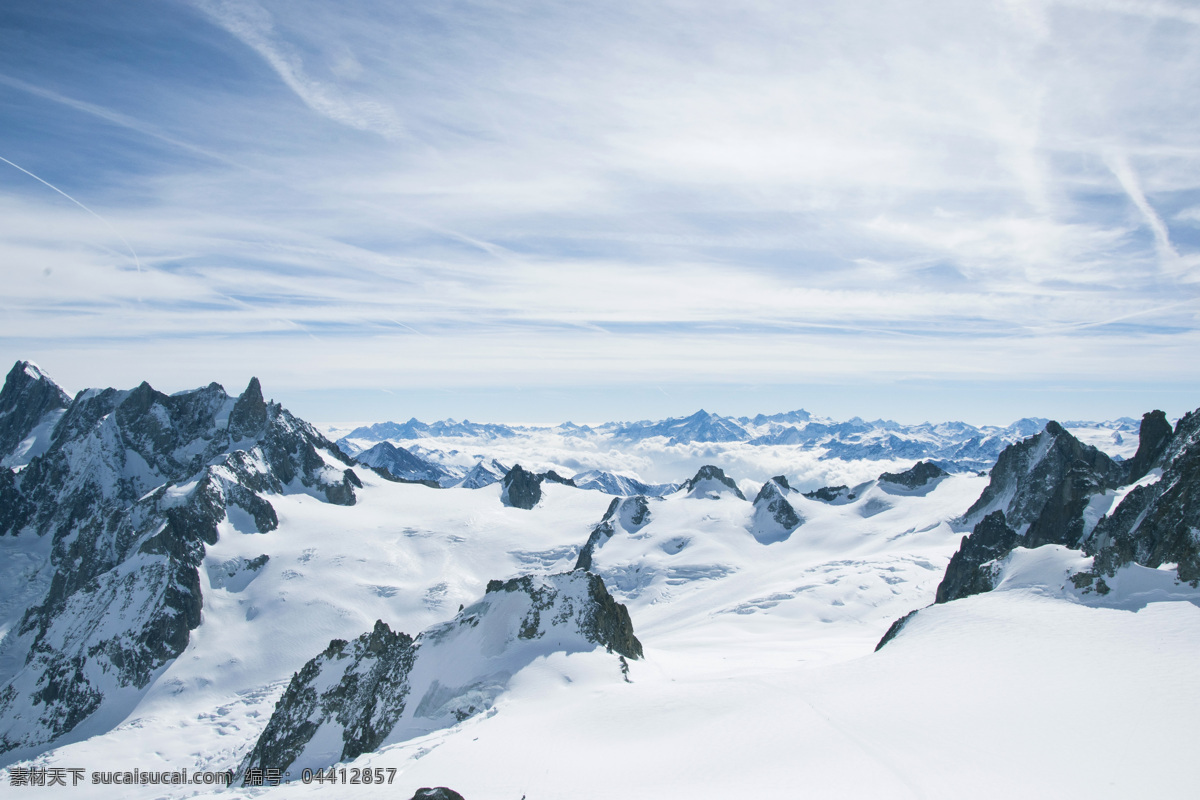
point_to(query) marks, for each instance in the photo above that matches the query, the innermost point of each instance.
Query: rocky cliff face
(30, 405)
(970, 569)
(130, 491)
(1042, 485)
(919, 476)
(521, 488)
(1040, 493)
(386, 686)
(1158, 522)
(775, 519)
(629, 514)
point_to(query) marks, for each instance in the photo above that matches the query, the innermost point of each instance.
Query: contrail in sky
(136, 261)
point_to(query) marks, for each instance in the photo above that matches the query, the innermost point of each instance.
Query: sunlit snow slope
(759, 676)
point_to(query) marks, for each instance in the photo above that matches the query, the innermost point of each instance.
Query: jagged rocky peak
(629, 514)
(972, 568)
(137, 477)
(775, 519)
(1042, 484)
(553, 477)
(832, 494)
(919, 476)
(1157, 521)
(521, 488)
(30, 405)
(249, 414)
(711, 482)
(387, 687)
(1153, 437)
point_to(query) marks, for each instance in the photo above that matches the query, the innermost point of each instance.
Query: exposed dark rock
(352, 696)
(440, 793)
(630, 514)
(142, 478)
(971, 569)
(774, 517)
(26, 401)
(554, 477)
(895, 629)
(1153, 437)
(708, 475)
(829, 494)
(249, 414)
(521, 488)
(1042, 485)
(1157, 524)
(366, 700)
(602, 620)
(916, 476)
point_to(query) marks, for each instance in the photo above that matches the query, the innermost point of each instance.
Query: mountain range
(205, 582)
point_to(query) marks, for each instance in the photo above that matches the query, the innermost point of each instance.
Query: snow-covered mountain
(112, 520)
(205, 582)
(646, 457)
(404, 465)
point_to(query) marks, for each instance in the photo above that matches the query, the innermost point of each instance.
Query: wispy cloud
(253, 25)
(475, 193)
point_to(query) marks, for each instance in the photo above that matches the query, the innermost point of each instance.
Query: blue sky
(542, 211)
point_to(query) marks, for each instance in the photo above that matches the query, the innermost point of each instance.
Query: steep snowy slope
(119, 510)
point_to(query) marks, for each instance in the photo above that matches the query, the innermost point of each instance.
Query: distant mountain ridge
(952, 446)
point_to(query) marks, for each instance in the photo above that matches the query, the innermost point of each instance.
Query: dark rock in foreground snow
(387, 686)
(1042, 485)
(1158, 522)
(970, 569)
(440, 793)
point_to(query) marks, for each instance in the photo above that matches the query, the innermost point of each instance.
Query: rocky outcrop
(1153, 437)
(386, 686)
(1158, 522)
(918, 476)
(629, 514)
(1042, 485)
(894, 630)
(971, 569)
(368, 687)
(440, 793)
(831, 494)
(711, 482)
(775, 519)
(521, 488)
(131, 492)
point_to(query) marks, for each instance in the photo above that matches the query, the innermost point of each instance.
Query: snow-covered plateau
(204, 582)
